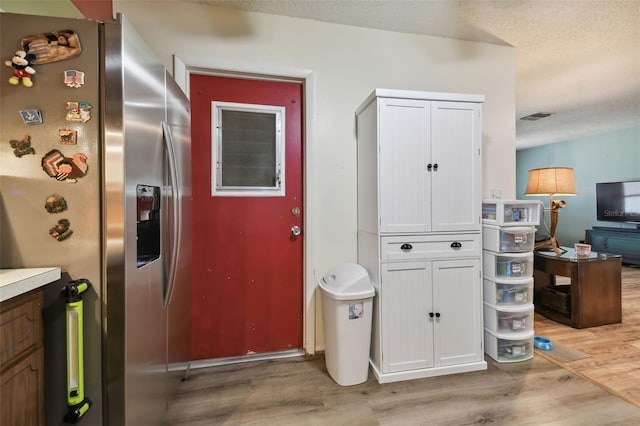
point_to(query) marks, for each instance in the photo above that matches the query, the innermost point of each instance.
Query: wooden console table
(595, 295)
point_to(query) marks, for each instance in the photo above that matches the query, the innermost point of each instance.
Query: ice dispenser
(147, 223)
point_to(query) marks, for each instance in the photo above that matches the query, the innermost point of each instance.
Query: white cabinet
(419, 231)
(406, 298)
(430, 314)
(428, 151)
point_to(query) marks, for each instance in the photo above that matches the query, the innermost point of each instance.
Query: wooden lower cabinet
(22, 398)
(22, 361)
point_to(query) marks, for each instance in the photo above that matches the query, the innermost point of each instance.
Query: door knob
(295, 231)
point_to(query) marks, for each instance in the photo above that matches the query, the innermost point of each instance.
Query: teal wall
(608, 157)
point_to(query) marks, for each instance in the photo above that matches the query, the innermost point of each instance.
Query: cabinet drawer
(501, 266)
(511, 212)
(508, 320)
(20, 326)
(510, 239)
(505, 292)
(508, 348)
(430, 246)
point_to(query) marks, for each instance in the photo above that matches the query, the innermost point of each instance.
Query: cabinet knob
(435, 166)
(437, 314)
(406, 246)
(456, 244)
(429, 166)
(430, 314)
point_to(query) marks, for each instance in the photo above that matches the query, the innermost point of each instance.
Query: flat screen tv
(618, 201)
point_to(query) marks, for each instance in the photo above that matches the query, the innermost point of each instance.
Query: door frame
(184, 66)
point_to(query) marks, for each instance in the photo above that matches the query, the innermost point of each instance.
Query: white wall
(347, 64)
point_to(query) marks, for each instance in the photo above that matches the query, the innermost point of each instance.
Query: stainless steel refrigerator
(95, 179)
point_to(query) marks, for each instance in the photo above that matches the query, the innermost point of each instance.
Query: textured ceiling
(577, 59)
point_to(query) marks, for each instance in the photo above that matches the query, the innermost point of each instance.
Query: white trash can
(347, 301)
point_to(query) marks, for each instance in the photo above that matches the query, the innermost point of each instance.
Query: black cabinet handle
(430, 314)
(456, 244)
(406, 246)
(437, 314)
(435, 166)
(429, 166)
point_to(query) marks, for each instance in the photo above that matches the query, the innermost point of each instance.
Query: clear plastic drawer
(498, 266)
(512, 239)
(508, 349)
(511, 212)
(508, 320)
(509, 293)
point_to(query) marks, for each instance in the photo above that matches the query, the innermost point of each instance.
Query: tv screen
(618, 201)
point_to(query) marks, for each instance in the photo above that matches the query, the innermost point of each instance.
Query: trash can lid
(347, 281)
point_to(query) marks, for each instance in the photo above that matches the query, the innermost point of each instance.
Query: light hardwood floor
(299, 391)
(611, 352)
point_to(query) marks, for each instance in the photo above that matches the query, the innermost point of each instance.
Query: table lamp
(550, 181)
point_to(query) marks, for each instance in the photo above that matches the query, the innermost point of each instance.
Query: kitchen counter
(14, 282)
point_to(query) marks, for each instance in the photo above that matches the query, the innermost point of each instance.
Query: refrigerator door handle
(176, 198)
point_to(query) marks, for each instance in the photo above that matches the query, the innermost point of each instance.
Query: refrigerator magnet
(61, 231)
(22, 69)
(62, 168)
(52, 47)
(79, 111)
(55, 204)
(67, 137)
(74, 78)
(31, 116)
(22, 147)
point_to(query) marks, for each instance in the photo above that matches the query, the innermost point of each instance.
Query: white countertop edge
(14, 282)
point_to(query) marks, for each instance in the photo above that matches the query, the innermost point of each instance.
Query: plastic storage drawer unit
(508, 320)
(508, 349)
(507, 265)
(513, 239)
(511, 212)
(508, 292)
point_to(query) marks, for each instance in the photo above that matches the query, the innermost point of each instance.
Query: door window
(247, 151)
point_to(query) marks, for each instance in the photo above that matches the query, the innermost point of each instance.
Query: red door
(247, 287)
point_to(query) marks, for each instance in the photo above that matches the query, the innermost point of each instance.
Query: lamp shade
(551, 181)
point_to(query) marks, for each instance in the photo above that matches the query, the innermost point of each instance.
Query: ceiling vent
(536, 116)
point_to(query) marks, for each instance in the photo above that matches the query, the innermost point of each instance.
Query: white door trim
(184, 66)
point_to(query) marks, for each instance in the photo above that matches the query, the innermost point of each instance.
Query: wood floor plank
(286, 392)
(613, 350)
(600, 389)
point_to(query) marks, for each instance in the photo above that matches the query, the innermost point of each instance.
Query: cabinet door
(455, 149)
(404, 182)
(407, 333)
(22, 391)
(458, 299)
